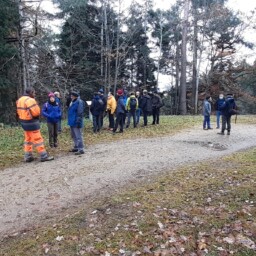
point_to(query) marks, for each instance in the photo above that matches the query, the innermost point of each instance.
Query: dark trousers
(145, 117)
(111, 119)
(53, 133)
(101, 119)
(119, 121)
(156, 113)
(96, 123)
(131, 113)
(226, 123)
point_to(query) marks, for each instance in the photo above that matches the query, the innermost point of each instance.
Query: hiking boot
(210, 128)
(221, 133)
(205, 128)
(29, 159)
(73, 150)
(79, 153)
(55, 145)
(228, 133)
(48, 158)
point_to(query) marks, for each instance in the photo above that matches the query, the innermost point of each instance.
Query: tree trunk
(22, 49)
(160, 51)
(117, 46)
(195, 71)
(177, 78)
(183, 77)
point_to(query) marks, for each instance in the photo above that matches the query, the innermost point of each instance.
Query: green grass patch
(11, 139)
(207, 208)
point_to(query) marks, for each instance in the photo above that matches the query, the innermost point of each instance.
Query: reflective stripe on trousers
(34, 138)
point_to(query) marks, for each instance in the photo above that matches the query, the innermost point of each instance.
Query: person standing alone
(29, 112)
(207, 113)
(156, 105)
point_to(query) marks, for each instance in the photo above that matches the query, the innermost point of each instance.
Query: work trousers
(34, 139)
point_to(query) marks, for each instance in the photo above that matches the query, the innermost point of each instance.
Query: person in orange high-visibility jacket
(29, 112)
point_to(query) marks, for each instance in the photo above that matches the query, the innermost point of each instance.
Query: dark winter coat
(156, 101)
(146, 103)
(97, 106)
(227, 106)
(120, 109)
(219, 103)
(76, 113)
(52, 112)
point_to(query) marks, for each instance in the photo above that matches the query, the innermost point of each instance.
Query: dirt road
(36, 191)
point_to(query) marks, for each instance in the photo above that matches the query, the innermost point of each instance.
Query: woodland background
(102, 45)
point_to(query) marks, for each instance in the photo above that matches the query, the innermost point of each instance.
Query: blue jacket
(76, 113)
(227, 106)
(98, 106)
(120, 109)
(51, 112)
(207, 108)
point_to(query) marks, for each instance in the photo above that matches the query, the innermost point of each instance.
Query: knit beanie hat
(51, 94)
(120, 92)
(75, 94)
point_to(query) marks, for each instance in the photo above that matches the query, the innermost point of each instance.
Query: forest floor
(36, 195)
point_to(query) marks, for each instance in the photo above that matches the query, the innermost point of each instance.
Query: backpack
(230, 109)
(133, 103)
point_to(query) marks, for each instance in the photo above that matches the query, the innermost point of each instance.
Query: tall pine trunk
(183, 75)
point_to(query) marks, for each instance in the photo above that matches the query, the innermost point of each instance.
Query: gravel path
(37, 190)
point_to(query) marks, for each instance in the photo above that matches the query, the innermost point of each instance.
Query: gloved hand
(79, 125)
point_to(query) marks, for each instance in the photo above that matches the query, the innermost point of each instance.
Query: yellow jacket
(111, 104)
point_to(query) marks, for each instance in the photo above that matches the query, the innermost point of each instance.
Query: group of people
(124, 107)
(120, 110)
(225, 108)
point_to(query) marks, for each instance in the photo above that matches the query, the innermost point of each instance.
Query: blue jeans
(133, 115)
(138, 112)
(207, 122)
(218, 114)
(77, 136)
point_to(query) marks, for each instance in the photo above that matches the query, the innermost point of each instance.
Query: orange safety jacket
(28, 112)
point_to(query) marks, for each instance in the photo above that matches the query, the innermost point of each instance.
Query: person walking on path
(138, 110)
(207, 113)
(29, 112)
(131, 107)
(228, 109)
(218, 105)
(76, 122)
(111, 108)
(58, 100)
(157, 103)
(52, 112)
(97, 108)
(120, 112)
(146, 106)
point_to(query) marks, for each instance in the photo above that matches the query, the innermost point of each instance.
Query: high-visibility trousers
(34, 139)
